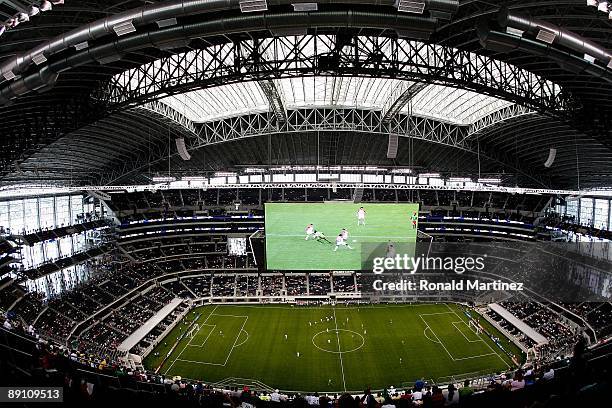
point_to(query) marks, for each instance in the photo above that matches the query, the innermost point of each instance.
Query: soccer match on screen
(306, 204)
(330, 235)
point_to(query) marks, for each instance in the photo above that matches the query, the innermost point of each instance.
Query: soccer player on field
(340, 242)
(414, 219)
(309, 231)
(361, 214)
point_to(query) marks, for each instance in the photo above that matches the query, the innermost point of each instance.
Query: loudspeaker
(392, 146)
(552, 153)
(182, 149)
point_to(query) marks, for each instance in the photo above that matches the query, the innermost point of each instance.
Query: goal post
(474, 327)
(193, 331)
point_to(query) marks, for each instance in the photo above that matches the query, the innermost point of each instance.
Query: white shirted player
(340, 242)
(361, 214)
(345, 234)
(309, 231)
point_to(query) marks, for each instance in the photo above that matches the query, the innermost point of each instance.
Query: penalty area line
(189, 342)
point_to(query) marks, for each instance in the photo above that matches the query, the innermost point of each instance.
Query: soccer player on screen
(361, 214)
(344, 234)
(309, 231)
(340, 242)
(320, 237)
(414, 219)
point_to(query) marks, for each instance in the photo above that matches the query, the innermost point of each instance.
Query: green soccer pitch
(340, 348)
(287, 248)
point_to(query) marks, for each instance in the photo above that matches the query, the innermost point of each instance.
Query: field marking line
(436, 336)
(227, 315)
(434, 314)
(336, 352)
(189, 342)
(200, 362)
(478, 356)
(245, 340)
(429, 338)
(339, 350)
(479, 336)
(228, 380)
(463, 334)
(236, 341)
(206, 339)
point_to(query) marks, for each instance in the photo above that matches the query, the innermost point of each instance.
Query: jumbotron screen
(331, 236)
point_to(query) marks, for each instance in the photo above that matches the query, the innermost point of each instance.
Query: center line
(339, 350)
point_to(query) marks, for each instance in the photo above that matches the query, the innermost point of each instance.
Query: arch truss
(310, 55)
(325, 119)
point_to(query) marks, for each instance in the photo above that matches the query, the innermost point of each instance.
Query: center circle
(328, 340)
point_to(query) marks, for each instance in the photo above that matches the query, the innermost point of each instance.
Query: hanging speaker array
(182, 149)
(392, 146)
(552, 153)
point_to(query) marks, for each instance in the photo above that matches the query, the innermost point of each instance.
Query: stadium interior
(145, 145)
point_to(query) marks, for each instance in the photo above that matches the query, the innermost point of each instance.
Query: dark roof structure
(98, 92)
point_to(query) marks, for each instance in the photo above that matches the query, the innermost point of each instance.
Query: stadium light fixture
(459, 179)
(251, 6)
(22, 17)
(411, 6)
(167, 22)
(254, 170)
(514, 31)
(603, 6)
(46, 5)
(225, 174)
(305, 7)
(546, 36)
(81, 46)
(401, 171)
(39, 58)
(9, 75)
(124, 28)
(589, 58)
(430, 175)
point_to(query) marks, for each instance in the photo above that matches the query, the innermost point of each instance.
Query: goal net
(475, 327)
(193, 331)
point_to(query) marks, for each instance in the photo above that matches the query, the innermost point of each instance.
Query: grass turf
(246, 344)
(286, 248)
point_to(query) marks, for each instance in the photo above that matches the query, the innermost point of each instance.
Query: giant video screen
(333, 235)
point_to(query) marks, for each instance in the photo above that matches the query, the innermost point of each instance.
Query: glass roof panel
(453, 105)
(219, 102)
(457, 106)
(369, 93)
